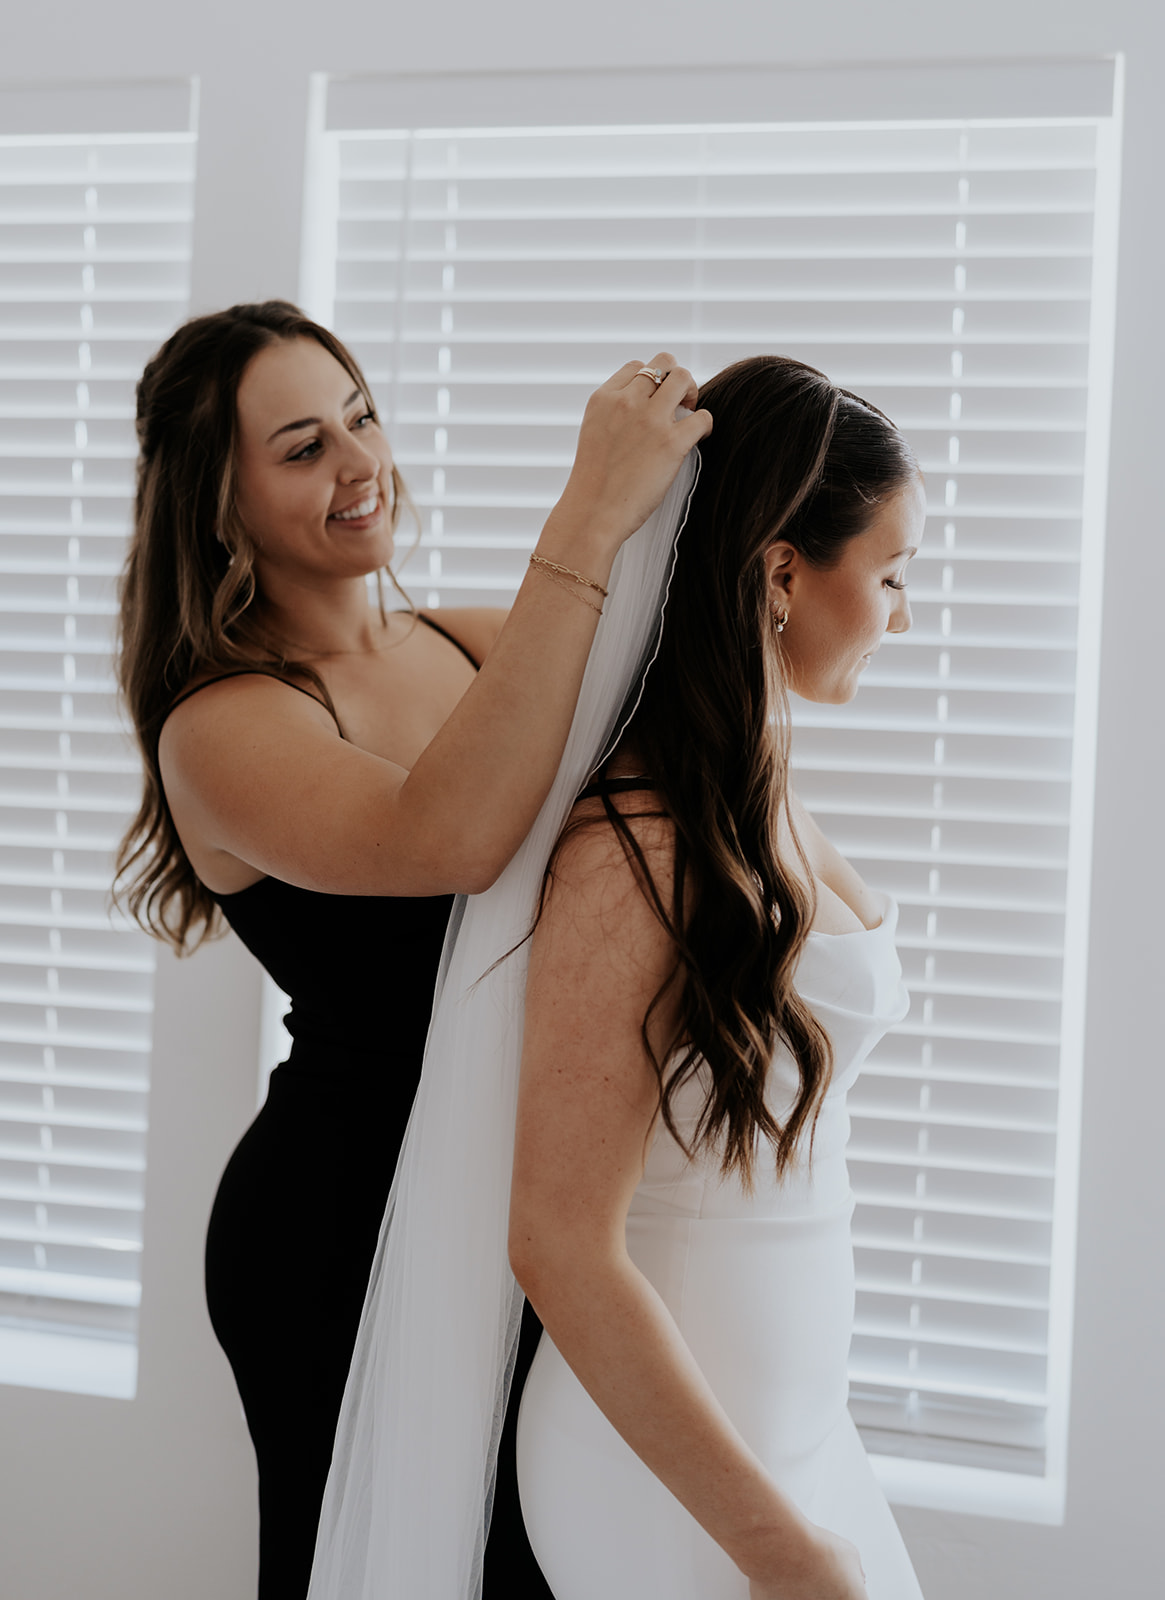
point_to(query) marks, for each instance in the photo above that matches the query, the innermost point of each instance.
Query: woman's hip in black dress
(289, 1248)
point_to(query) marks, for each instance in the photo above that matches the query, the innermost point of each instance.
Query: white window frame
(89, 118)
(881, 95)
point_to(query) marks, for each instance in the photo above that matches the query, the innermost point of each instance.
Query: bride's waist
(815, 1182)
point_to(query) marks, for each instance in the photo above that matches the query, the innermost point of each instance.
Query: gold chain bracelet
(568, 572)
(573, 589)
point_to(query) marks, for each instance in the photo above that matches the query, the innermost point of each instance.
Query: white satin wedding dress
(761, 1286)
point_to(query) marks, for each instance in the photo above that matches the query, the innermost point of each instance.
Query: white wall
(103, 1499)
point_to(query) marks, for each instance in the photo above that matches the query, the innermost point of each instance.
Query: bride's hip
(766, 1308)
(569, 1452)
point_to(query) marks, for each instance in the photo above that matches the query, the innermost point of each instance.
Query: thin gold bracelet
(573, 589)
(567, 572)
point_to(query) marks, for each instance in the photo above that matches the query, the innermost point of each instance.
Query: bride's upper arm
(589, 1091)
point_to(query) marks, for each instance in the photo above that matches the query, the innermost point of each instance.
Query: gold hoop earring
(780, 617)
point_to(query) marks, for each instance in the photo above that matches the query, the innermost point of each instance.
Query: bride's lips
(368, 518)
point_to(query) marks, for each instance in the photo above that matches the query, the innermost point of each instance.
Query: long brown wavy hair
(795, 458)
(188, 588)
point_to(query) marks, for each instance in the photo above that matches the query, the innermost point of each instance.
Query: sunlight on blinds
(488, 279)
(94, 261)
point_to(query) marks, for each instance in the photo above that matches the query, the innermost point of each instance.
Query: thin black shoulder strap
(445, 634)
(601, 786)
(255, 672)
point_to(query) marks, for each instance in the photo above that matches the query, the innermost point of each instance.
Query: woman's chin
(360, 561)
(835, 692)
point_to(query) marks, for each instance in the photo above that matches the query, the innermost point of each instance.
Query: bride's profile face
(839, 615)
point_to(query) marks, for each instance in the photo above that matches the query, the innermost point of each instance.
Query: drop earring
(780, 617)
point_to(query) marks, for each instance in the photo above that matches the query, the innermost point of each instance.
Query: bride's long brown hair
(188, 587)
(795, 458)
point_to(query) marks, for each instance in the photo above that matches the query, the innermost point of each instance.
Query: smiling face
(314, 471)
(838, 615)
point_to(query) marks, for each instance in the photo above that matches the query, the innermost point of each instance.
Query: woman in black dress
(325, 774)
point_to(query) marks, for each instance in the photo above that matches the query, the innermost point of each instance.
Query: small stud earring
(781, 617)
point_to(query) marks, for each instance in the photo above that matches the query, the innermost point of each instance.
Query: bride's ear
(781, 564)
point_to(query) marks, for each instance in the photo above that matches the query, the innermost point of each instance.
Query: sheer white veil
(407, 1501)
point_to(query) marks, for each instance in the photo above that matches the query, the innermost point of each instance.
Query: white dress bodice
(853, 984)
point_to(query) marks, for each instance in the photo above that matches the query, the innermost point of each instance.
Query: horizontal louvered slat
(489, 279)
(69, 1282)
(94, 263)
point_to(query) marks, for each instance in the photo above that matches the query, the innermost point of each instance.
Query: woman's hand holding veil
(634, 435)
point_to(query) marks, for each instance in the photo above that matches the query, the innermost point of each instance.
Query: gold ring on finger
(653, 373)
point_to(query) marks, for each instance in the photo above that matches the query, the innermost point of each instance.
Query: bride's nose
(900, 617)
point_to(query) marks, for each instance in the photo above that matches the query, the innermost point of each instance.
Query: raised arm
(257, 772)
(586, 1108)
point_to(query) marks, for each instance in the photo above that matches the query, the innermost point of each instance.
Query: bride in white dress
(684, 1428)
(705, 978)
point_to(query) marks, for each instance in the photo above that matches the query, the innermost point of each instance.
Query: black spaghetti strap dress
(297, 1214)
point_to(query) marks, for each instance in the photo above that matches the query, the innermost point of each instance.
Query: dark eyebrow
(911, 550)
(312, 422)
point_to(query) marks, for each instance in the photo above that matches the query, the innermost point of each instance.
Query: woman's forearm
(476, 789)
(623, 1345)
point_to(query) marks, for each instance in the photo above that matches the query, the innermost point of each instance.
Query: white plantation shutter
(957, 273)
(94, 254)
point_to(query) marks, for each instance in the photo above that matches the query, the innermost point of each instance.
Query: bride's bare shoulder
(603, 926)
(614, 852)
